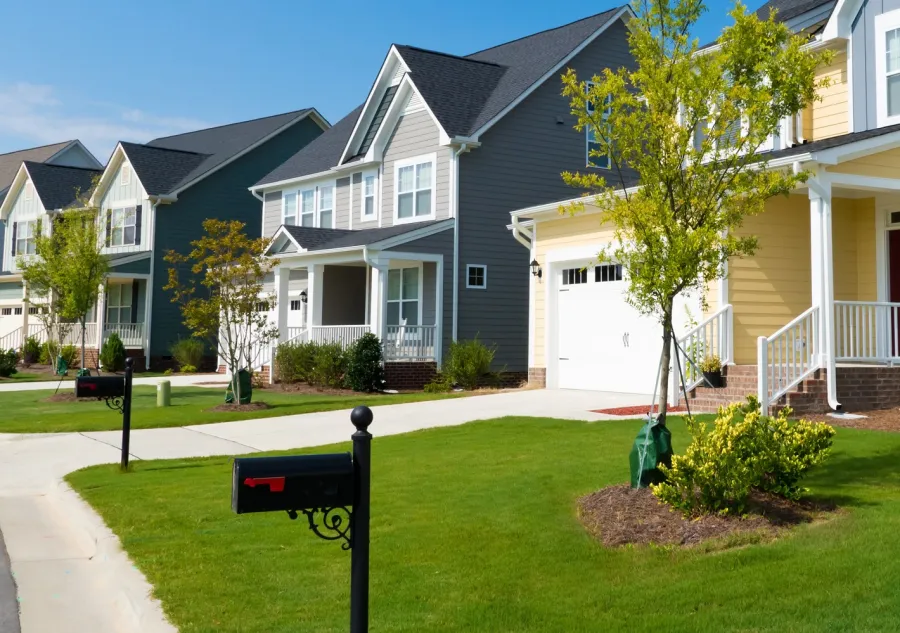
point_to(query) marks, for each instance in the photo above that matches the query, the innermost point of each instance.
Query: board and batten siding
(118, 195)
(22, 211)
(830, 116)
(416, 134)
(518, 166)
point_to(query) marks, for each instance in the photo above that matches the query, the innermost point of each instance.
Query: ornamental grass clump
(743, 451)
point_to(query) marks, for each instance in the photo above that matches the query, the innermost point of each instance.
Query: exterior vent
(415, 104)
(398, 75)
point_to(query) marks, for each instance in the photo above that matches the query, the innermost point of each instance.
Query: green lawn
(24, 376)
(29, 411)
(474, 529)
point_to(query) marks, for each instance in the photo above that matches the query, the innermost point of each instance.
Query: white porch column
(282, 301)
(314, 290)
(101, 318)
(378, 299)
(823, 279)
(26, 305)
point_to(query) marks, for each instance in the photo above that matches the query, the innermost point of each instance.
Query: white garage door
(603, 343)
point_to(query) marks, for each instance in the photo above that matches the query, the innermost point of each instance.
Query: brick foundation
(410, 375)
(513, 379)
(862, 388)
(537, 377)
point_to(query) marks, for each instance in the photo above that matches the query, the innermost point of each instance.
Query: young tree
(224, 307)
(67, 271)
(676, 229)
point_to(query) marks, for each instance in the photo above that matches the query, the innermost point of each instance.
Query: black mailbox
(99, 387)
(266, 484)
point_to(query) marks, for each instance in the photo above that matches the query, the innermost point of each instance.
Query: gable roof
(10, 163)
(58, 186)
(169, 164)
(313, 239)
(463, 93)
(788, 9)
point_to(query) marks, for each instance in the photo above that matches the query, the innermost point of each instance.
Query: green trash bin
(246, 386)
(652, 447)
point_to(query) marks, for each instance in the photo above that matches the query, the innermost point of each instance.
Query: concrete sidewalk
(180, 380)
(72, 575)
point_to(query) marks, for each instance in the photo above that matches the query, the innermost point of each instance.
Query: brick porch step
(809, 396)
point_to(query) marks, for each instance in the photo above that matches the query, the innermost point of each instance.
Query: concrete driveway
(70, 571)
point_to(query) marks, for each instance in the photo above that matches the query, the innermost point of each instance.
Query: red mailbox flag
(275, 484)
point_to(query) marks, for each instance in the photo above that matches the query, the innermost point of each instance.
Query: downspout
(463, 148)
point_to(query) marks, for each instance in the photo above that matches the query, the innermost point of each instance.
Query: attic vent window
(125, 176)
(29, 191)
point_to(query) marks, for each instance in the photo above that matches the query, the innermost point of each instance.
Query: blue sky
(107, 70)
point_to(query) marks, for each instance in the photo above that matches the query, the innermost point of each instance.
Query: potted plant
(712, 371)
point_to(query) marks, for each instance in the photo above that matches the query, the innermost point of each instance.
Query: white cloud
(35, 115)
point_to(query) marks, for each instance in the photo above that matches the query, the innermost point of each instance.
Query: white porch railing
(345, 335)
(867, 332)
(72, 337)
(11, 340)
(410, 342)
(787, 357)
(294, 333)
(132, 334)
(712, 337)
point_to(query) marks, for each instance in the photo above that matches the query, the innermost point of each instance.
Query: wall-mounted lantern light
(303, 296)
(536, 269)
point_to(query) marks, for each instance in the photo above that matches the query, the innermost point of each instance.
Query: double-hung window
(403, 296)
(415, 183)
(887, 67)
(123, 226)
(593, 142)
(326, 206)
(369, 182)
(25, 234)
(118, 304)
(289, 209)
(308, 207)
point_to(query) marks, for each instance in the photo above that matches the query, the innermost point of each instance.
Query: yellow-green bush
(742, 451)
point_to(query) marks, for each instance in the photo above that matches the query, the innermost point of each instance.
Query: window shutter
(137, 224)
(15, 227)
(108, 226)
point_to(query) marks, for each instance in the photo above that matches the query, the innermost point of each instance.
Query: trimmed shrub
(50, 350)
(188, 352)
(112, 357)
(469, 364)
(294, 362)
(365, 369)
(743, 451)
(440, 384)
(329, 366)
(31, 351)
(8, 360)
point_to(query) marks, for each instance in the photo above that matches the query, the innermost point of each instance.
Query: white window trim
(883, 23)
(470, 267)
(21, 224)
(587, 139)
(315, 189)
(406, 162)
(362, 197)
(284, 195)
(122, 289)
(121, 206)
(398, 265)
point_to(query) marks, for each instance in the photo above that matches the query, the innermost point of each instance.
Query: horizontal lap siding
(518, 166)
(224, 195)
(881, 165)
(342, 203)
(830, 116)
(272, 213)
(566, 232)
(416, 134)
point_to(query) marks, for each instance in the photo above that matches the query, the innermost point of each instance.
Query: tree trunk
(666, 362)
(82, 343)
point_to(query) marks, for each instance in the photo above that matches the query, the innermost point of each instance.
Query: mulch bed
(878, 420)
(240, 408)
(619, 515)
(640, 410)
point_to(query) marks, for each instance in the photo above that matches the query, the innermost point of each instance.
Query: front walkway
(70, 571)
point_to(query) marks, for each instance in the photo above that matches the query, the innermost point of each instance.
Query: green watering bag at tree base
(246, 388)
(62, 367)
(652, 447)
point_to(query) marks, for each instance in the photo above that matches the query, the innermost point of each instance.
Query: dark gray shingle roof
(324, 239)
(834, 141)
(788, 9)
(10, 163)
(58, 186)
(321, 154)
(161, 170)
(463, 92)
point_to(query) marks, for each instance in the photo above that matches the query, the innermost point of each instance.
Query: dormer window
(887, 67)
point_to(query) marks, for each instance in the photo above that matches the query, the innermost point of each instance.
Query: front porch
(812, 320)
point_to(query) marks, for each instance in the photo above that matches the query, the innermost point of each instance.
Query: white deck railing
(11, 340)
(410, 342)
(72, 336)
(294, 333)
(867, 332)
(344, 335)
(712, 337)
(787, 357)
(132, 334)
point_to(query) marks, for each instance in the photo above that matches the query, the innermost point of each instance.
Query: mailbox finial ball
(361, 417)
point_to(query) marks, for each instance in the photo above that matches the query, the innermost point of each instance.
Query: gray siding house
(153, 198)
(409, 196)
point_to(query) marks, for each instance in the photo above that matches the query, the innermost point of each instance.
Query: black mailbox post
(324, 488)
(116, 391)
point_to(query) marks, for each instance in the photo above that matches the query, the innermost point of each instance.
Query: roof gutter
(331, 171)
